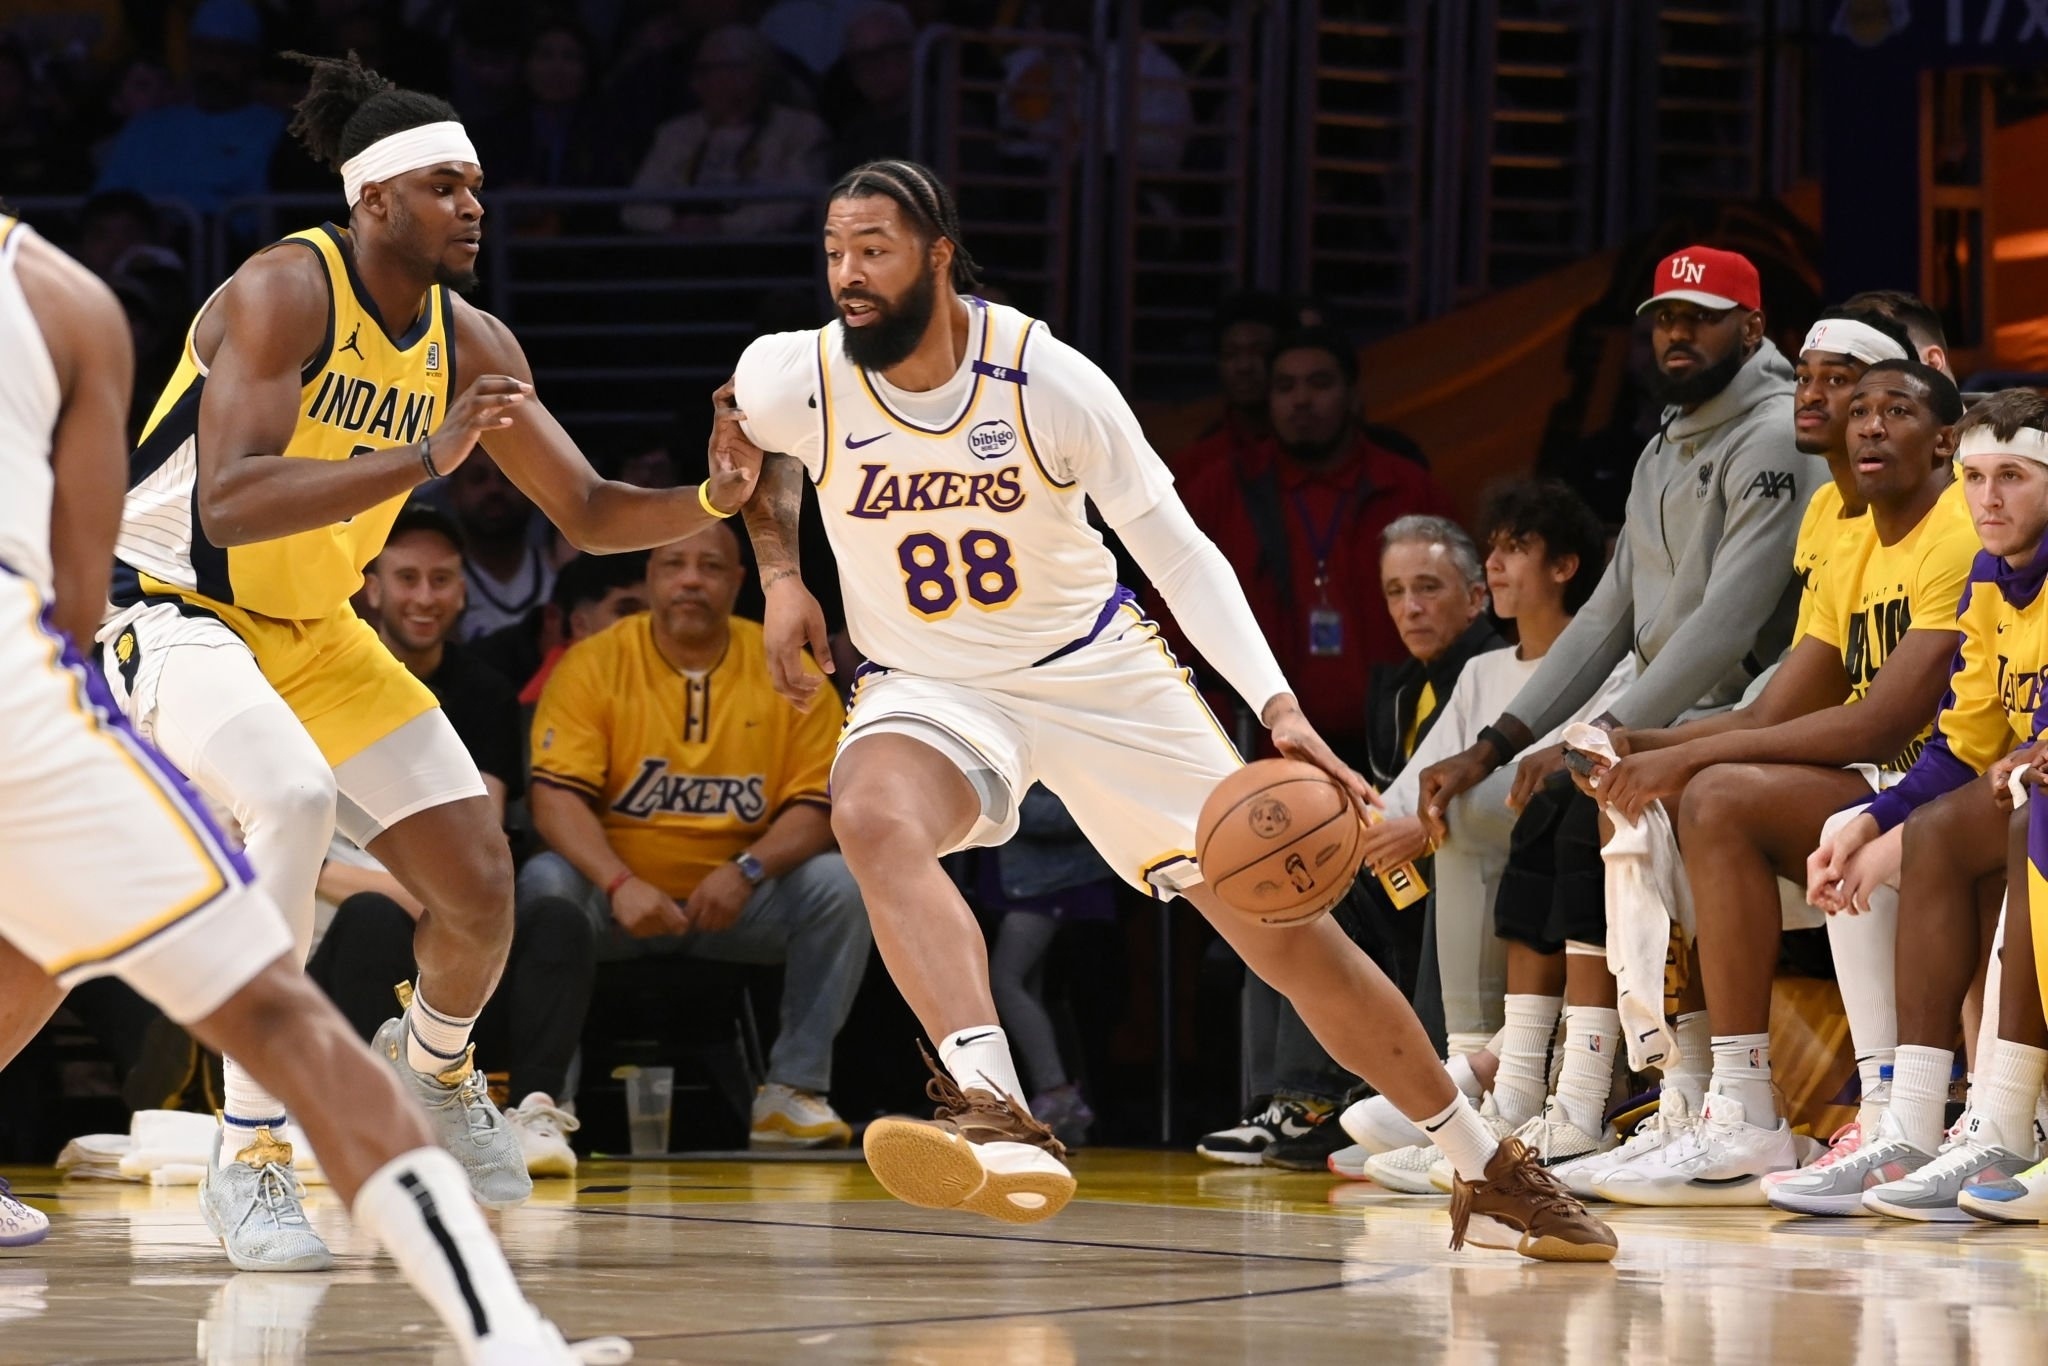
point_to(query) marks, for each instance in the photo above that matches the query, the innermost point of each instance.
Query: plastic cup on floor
(650, 1093)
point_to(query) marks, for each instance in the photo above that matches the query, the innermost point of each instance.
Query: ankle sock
(419, 1209)
(245, 1107)
(2008, 1082)
(979, 1056)
(1462, 1136)
(434, 1039)
(1693, 1061)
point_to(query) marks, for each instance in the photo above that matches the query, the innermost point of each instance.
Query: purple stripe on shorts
(112, 718)
(1117, 599)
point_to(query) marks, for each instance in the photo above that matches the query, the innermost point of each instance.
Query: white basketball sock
(1865, 950)
(1522, 1082)
(245, 1107)
(980, 1056)
(1693, 1061)
(1920, 1093)
(434, 1040)
(1742, 1072)
(1461, 1135)
(2008, 1082)
(419, 1209)
(1591, 1034)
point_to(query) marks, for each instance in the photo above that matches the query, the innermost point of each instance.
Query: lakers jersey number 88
(361, 391)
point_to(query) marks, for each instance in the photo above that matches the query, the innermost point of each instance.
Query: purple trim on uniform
(1001, 372)
(867, 668)
(1935, 772)
(1024, 417)
(1117, 599)
(2037, 835)
(110, 717)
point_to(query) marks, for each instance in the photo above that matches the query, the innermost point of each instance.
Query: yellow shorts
(338, 678)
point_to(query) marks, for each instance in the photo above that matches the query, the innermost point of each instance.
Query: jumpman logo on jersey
(350, 344)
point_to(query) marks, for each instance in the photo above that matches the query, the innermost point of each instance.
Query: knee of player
(1722, 799)
(483, 885)
(297, 796)
(877, 830)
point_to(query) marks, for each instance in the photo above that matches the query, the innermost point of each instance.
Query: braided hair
(348, 106)
(925, 201)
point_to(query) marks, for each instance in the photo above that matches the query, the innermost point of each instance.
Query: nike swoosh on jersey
(853, 445)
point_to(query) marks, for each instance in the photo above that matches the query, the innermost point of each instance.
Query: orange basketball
(1280, 841)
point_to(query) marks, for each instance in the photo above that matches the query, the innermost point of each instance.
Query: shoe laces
(473, 1094)
(279, 1191)
(546, 1116)
(1520, 1175)
(998, 1112)
(1846, 1142)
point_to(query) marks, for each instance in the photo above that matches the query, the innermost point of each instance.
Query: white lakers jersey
(30, 399)
(959, 515)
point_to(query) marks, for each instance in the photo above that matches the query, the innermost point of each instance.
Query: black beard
(898, 327)
(461, 281)
(1699, 386)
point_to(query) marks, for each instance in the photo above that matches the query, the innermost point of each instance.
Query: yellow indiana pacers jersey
(684, 770)
(362, 391)
(1872, 594)
(1821, 530)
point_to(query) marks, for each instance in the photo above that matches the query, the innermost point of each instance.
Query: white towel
(1645, 886)
(167, 1148)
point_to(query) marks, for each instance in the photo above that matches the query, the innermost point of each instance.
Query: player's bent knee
(1721, 798)
(291, 797)
(877, 830)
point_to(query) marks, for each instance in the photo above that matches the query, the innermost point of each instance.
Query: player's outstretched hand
(1295, 738)
(486, 405)
(791, 620)
(735, 461)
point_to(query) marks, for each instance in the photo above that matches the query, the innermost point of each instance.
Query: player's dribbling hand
(486, 405)
(734, 460)
(644, 910)
(718, 900)
(1295, 738)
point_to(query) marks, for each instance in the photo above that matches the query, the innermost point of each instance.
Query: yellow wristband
(704, 501)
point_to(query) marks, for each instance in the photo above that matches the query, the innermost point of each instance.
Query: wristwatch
(750, 868)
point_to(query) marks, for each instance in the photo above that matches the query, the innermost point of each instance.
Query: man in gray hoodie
(1701, 590)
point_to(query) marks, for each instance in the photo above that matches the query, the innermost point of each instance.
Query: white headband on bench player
(2028, 443)
(1847, 337)
(430, 144)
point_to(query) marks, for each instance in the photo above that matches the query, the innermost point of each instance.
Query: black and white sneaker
(1266, 1123)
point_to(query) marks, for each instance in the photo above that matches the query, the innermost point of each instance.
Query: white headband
(2028, 443)
(1847, 337)
(430, 144)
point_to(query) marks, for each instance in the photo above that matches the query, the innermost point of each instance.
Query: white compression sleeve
(1199, 585)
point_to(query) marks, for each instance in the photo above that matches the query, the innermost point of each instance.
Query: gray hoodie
(1701, 585)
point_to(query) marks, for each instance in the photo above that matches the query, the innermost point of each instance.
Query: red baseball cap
(1706, 276)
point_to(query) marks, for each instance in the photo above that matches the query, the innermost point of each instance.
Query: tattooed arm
(792, 617)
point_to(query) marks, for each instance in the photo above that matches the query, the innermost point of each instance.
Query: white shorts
(1114, 728)
(1795, 913)
(111, 866)
(420, 764)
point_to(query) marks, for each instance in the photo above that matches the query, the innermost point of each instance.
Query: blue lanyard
(1324, 540)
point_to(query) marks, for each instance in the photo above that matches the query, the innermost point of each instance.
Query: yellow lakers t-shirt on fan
(685, 770)
(1872, 594)
(1822, 530)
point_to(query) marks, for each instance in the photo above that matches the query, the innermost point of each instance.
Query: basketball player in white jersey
(113, 869)
(954, 444)
(333, 373)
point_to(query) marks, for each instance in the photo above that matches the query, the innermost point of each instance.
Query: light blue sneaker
(458, 1105)
(252, 1206)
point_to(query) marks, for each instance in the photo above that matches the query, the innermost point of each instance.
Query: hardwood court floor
(1162, 1258)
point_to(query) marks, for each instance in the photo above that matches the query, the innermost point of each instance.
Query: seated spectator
(739, 136)
(510, 570)
(533, 1022)
(1046, 877)
(873, 82)
(591, 593)
(1247, 325)
(117, 241)
(554, 134)
(218, 146)
(1303, 529)
(685, 805)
